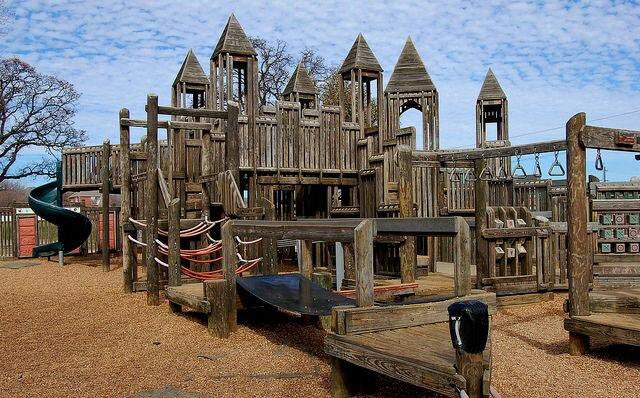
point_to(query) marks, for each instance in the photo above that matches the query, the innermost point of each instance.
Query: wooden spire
(191, 71)
(410, 74)
(300, 82)
(491, 88)
(360, 57)
(233, 40)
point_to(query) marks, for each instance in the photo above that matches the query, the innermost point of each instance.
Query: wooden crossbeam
(479, 153)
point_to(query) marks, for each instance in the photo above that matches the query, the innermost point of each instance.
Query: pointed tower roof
(300, 82)
(360, 56)
(191, 71)
(410, 74)
(491, 88)
(233, 40)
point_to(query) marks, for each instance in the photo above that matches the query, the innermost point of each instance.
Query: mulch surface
(72, 332)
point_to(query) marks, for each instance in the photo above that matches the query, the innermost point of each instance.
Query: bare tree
(11, 192)
(317, 67)
(274, 62)
(36, 111)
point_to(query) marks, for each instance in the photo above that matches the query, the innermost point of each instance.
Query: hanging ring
(518, 171)
(537, 170)
(599, 162)
(556, 165)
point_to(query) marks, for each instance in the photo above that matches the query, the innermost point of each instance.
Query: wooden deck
(420, 355)
(621, 328)
(409, 342)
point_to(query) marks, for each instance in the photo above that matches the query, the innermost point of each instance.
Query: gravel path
(71, 332)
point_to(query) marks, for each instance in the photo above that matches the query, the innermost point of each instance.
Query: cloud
(553, 59)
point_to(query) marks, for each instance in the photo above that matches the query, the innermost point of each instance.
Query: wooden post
(232, 142)
(462, 258)
(349, 262)
(128, 262)
(269, 245)
(216, 293)
(104, 175)
(323, 278)
(173, 240)
(342, 379)
(471, 367)
(151, 200)
(205, 166)
(577, 239)
(230, 259)
(405, 198)
(481, 194)
(363, 247)
(306, 261)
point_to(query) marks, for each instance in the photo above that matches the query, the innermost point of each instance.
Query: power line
(562, 127)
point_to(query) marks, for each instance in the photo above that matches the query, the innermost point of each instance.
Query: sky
(553, 59)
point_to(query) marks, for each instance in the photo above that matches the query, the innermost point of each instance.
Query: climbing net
(191, 255)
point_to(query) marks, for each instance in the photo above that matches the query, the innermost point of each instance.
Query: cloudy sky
(553, 59)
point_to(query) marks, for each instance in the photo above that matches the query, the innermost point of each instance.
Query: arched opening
(411, 115)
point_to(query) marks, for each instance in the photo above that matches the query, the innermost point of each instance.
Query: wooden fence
(21, 230)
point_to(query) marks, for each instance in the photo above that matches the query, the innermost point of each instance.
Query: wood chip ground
(72, 332)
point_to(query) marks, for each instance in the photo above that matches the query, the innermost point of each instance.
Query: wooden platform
(621, 301)
(409, 342)
(621, 328)
(420, 355)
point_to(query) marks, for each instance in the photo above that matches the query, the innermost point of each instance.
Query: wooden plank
(199, 112)
(184, 295)
(480, 153)
(408, 259)
(357, 320)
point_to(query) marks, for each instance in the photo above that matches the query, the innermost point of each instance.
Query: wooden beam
(104, 175)
(200, 112)
(577, 237)
(479, 153)
(306, 259)
(173, 241)
(215, 293)
(128, 261)
(232, 142)
(481, 189)
(611, 139)
(151, 200)
(408, 260)
(363, 246)
(230, 259)
(462, 258)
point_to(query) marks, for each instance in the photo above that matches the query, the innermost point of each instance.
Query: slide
(293, 293)
(73, 228)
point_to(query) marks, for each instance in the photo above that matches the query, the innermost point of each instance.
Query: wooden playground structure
(234, 189)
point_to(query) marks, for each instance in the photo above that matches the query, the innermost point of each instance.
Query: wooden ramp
(411, 343)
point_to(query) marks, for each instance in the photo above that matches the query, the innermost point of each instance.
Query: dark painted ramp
(292, 292)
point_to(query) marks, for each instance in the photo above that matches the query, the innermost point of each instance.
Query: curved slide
(73, 228)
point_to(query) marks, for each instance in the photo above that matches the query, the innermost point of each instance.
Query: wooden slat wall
(8, 243)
